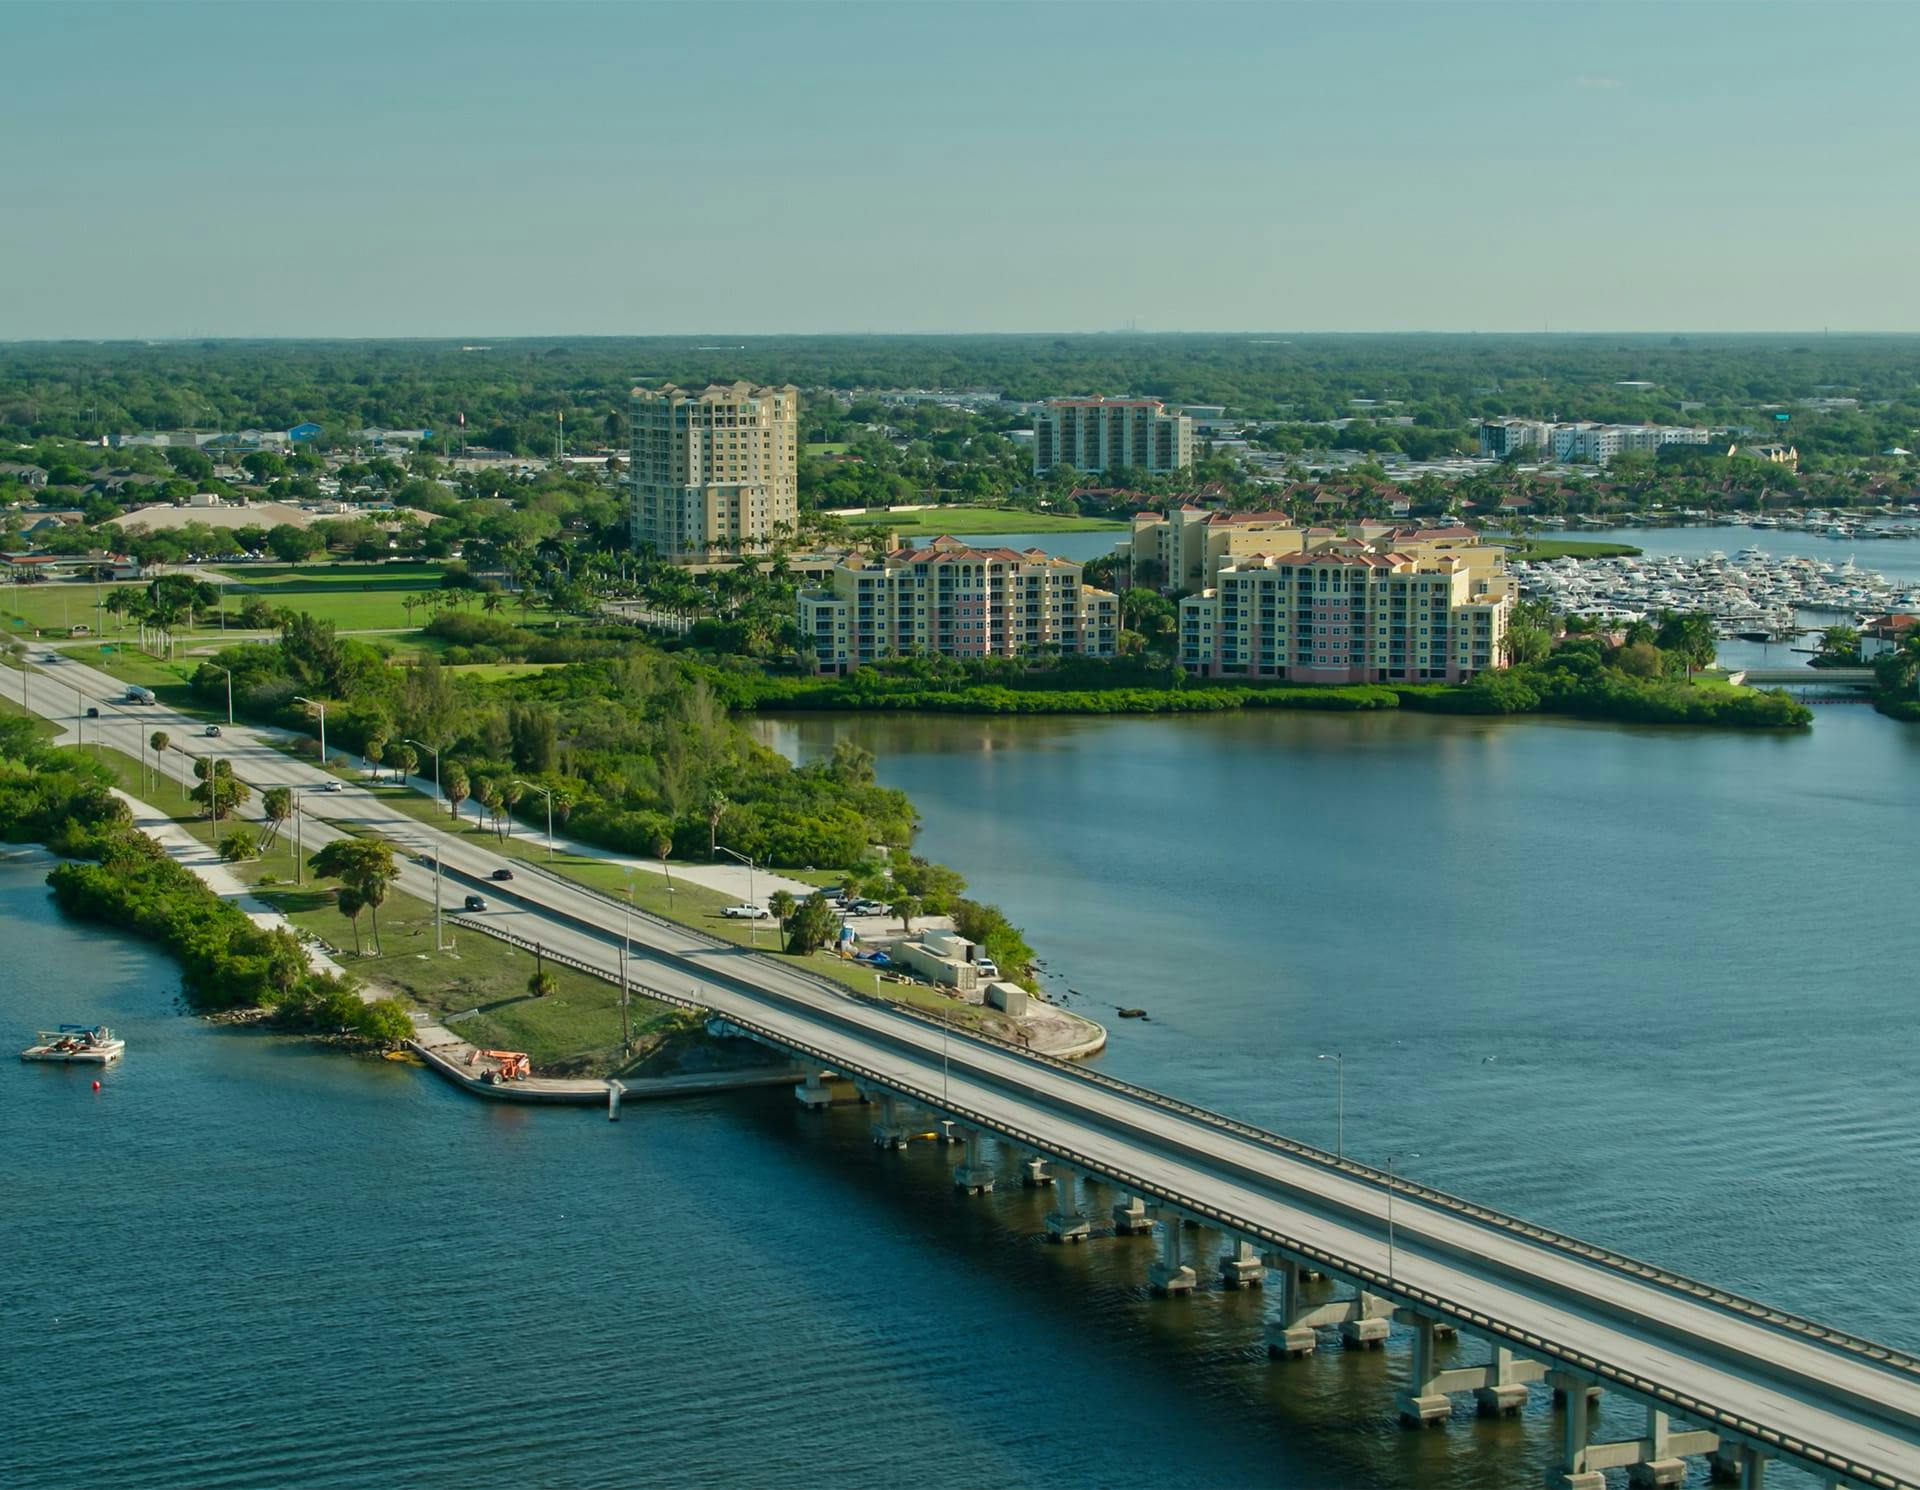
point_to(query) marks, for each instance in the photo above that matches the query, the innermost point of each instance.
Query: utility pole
(626, 1029)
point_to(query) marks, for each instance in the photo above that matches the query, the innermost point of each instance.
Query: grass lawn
(1569, 548)
(44, 729)
(689, 904)
(827, 447)
(55, 605)
(574, 1030)
(962, 520)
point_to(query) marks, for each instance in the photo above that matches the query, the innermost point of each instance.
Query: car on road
(46, 657)
(476, 902)
(867, 908)
(746, 913)
(212, 732)
(92, 712)
(501, 874)
(332, 786)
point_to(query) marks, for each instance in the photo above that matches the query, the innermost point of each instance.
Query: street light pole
(437, 799)
(1340, 1063)
(547, 792)
(229, 672)
(753, 922)
(322, 709)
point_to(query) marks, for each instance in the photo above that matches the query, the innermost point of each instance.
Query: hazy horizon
(431, 172)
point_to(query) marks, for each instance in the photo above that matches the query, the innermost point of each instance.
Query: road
(1646, 1337)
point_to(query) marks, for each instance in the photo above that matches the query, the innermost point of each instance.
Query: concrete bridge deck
(1713, 1371)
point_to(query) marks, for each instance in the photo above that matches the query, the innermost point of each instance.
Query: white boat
(76, 1044)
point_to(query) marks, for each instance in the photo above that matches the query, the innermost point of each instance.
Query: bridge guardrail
(1645, 1272)
(1537, 1346)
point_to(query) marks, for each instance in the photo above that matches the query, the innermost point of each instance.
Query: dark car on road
(502, 874)
(476, 902)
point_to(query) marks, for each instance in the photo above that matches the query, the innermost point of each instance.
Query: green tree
(663, 846)
(276, 804)
(363, 865)
(906, 907)
(812, 925)
(456, 786)
(348, 901)
(717, 805)
(238, 844)
(1527, 644)
(542, 983)
(783, 904)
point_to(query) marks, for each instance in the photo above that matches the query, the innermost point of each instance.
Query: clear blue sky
(473, 170)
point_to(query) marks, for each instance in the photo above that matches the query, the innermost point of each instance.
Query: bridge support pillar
(1130, 1217)
(1287, 1339)
(1576, 1432)
(1035, 1174)
(1736, 1464)
(1505, 1390)
(1067, 1222)
(820, 1089)
(889, 1128)
(1240, 1265)
(1424, 1402)
(1364, 1331)
(971, 1174)
(1170, 1275)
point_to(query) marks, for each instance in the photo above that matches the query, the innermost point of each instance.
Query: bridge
(1490, 1305)
(1804, 677)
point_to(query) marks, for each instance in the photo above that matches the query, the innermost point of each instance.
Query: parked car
(212, 732)
(476, 902)
(502, 874)
(986, 967)
(867, 908)
(745, 912)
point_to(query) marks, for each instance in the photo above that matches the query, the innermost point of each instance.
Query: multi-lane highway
(1759, 1379)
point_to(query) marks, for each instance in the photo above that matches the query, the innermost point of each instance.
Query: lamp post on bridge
(1340, 1064)
(1392, 1159)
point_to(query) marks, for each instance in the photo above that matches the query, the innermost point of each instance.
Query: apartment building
(1582, 442)
(957, 601)
(1351, 611)
(1111, 434)
(1189, 544)
(715, 468)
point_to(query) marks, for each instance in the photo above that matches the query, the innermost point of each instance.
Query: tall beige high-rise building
(1111, 434)
(713, 467)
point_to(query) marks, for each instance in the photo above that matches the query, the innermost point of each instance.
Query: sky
(475, 170)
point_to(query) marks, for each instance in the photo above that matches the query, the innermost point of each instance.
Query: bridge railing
(1733, 1423)
(1645, 1272)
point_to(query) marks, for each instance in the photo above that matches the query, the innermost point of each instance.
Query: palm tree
(456, 787)
(662, 846)
(511, 795)
(405, 760)
(717, 805)
(782, 904)
(376, 748)
(906, 908)
(348, 900)
(542, 983)
(160, 740)
(277, 806)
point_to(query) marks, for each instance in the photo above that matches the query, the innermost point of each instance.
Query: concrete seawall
(594, 1091)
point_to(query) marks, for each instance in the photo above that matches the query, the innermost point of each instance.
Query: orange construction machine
(513, 1065)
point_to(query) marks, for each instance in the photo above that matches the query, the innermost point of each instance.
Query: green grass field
(827, 447)
(1537, 549)
(963, 520)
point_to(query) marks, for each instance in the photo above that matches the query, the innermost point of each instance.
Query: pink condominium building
(957, 601)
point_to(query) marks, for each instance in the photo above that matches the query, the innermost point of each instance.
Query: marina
(1755, 594)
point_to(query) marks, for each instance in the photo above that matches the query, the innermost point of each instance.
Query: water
(247, 1262)
(1653, 986)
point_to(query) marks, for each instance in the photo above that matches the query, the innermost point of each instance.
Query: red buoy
(96, 1086)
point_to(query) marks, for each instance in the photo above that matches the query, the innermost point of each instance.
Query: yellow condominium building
(713, 469)
(1351, 611)
(1111, 434)
(957, 601)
